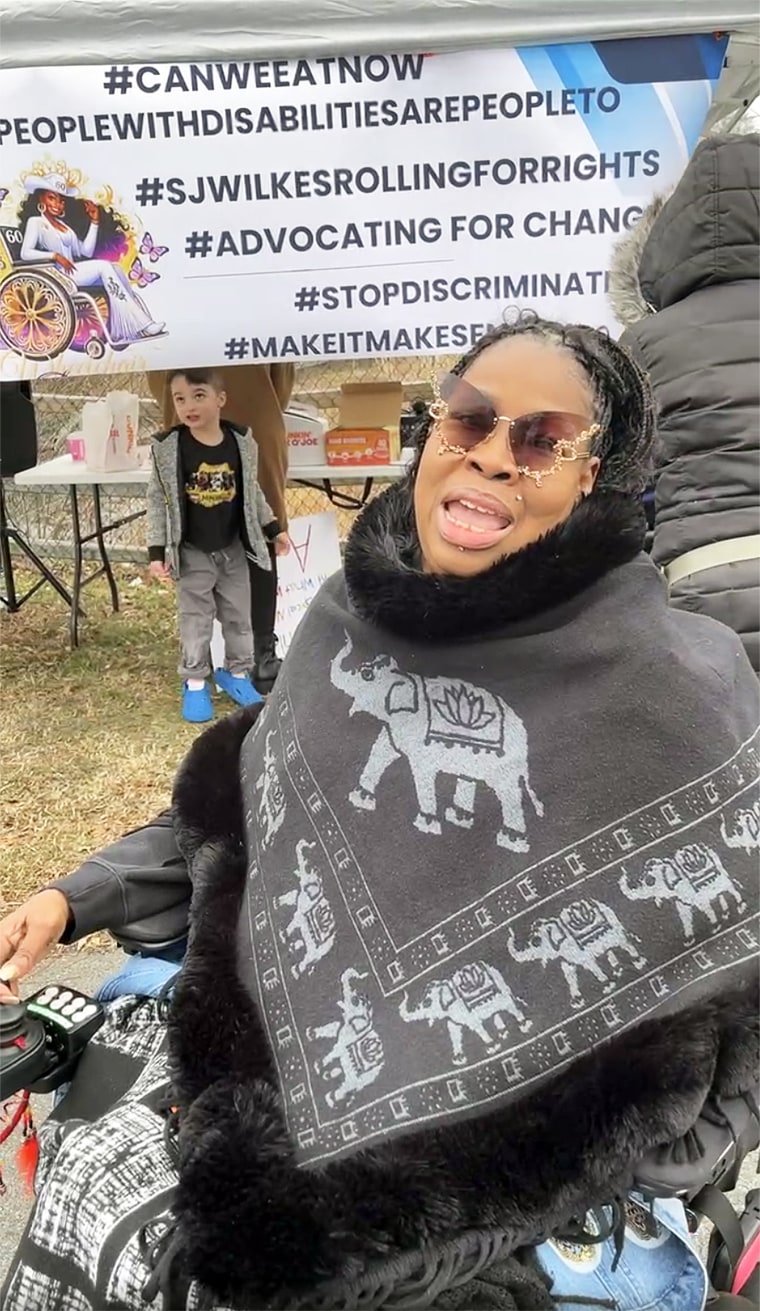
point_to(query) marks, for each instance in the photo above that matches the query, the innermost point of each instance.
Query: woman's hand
(27, 934)
(64, 263)
(159, 570)
(92, 211)
(281, 544)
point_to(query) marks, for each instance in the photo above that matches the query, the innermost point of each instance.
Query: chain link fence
(43, 515)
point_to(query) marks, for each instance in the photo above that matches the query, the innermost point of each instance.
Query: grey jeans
(215, 586)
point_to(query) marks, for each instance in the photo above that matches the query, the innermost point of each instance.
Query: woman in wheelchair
(473, 928)
(46, 233)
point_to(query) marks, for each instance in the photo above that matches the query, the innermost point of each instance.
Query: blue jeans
(657, 1272)
(143, 976)
(139, 976)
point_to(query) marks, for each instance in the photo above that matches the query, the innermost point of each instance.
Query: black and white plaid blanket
(105, 1179)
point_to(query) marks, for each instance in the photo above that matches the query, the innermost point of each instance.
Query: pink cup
(75, 445)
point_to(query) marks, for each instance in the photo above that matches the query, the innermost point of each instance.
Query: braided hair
(623, 402)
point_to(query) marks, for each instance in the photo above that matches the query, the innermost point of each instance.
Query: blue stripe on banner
(714, 56)
(687, 110)
(667, 116)
(663, 58)
(638, 124)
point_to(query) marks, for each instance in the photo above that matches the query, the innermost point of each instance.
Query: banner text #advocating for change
(379, 234)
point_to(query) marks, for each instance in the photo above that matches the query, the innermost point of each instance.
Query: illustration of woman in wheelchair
(57, 293)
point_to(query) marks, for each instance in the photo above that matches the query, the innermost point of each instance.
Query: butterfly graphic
(142, 276)
(3, 193)
(149, 248)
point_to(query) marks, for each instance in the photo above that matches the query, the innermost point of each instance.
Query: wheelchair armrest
(724, 1147)
(154, 935)
(137, 946)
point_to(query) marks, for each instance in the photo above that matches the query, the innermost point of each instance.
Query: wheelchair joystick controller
(42, 1039)
(12, 1018)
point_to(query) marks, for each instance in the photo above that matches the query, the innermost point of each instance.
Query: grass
(89, 739)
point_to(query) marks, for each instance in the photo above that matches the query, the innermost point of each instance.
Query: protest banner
(180, 215)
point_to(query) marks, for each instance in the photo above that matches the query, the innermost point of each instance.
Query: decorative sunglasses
(540, 443)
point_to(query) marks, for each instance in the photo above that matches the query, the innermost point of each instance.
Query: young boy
(207, 512)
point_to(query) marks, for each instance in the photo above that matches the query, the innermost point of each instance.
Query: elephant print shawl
(480, 876)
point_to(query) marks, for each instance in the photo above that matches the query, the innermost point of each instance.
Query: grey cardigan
(166, 508)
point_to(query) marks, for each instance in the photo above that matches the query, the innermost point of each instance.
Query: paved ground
(85, 970)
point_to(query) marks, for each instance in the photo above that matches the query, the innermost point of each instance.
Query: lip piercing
(518, 498)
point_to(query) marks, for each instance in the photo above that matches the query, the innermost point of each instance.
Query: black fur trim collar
(387, 587)
(256, 1230)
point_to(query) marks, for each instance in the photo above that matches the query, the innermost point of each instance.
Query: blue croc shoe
(196, 706)
(240, 690)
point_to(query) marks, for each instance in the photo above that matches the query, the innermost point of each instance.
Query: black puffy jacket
(686, 283)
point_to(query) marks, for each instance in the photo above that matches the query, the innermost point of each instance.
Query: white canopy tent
(41, 33)
(737, 98)
(44, 33)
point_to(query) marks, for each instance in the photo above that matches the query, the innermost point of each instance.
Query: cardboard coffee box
(367, 431)
(306, 438)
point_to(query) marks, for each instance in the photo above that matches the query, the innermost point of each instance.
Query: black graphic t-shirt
(211, 486)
